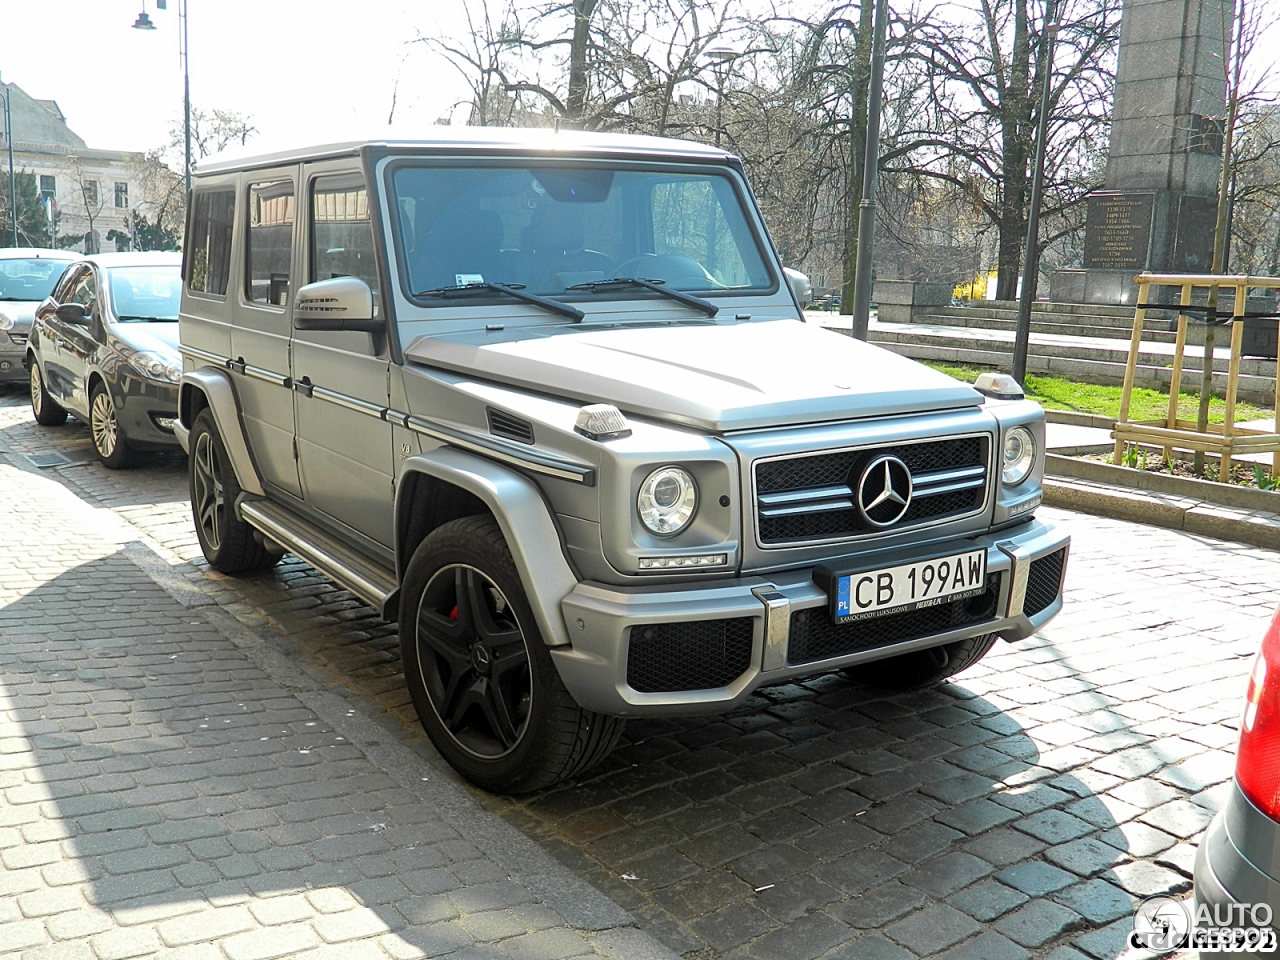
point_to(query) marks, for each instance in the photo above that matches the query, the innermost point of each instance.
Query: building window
(90, 188)
(122, 195)
(48, 188)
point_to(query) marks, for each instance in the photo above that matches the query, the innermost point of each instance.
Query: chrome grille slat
(818, 493)
(949, 488)
(800, 499)
(844, 503)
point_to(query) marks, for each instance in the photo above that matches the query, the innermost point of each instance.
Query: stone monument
(1157, 210)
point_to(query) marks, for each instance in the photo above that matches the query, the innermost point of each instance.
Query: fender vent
(509, 426)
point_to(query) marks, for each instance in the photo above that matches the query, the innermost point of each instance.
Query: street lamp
(870, 176)
(1031, 255)
(144, 23)
(8, 139)
(721, 58)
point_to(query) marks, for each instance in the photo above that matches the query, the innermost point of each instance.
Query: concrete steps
(983, 335)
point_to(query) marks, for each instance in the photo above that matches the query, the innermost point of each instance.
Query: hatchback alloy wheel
(102, 424)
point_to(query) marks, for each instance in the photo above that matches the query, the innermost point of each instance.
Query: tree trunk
(861, 79)
(1015, 123)
(576, 100)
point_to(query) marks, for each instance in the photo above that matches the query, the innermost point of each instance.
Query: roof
(36, 253)
(153, 258)
(513, 140)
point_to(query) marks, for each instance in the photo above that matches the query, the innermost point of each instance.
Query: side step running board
(368, 581)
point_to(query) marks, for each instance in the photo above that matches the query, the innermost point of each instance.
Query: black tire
(109, 441)
(47, 411)
(226, 542)
(463, 610)
(922, 668)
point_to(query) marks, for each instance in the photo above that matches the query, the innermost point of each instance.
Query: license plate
(909, 586)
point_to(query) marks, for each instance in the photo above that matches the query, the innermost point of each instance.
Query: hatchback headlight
(7, 321)
(667, 501)
(157, 367)
(1019, 456)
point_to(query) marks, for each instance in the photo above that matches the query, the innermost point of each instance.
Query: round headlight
(6, 321)
(1019, 456)
(667, 500)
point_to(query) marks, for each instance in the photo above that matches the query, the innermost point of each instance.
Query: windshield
(550, 228)
(145, 293)
(31, 279)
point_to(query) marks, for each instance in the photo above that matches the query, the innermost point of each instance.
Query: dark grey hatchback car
(104, 348)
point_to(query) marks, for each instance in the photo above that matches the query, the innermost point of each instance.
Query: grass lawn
(1054, 393)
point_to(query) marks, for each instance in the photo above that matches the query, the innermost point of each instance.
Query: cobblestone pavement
(1018, 812)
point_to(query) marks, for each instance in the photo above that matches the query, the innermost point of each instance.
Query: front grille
(19, 339)
(1044, 580)
(812, 497)
(695, 655)
(816, 636)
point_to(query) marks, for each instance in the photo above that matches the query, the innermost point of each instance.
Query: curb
(1255, 527)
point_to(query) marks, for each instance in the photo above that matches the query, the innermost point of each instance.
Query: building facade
(90, 192)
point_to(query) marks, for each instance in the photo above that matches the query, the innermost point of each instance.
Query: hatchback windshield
(551, 228)
(29, 279)
(145, 293)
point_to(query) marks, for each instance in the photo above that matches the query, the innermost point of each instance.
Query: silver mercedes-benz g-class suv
(548, 400)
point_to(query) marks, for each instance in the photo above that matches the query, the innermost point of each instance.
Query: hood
(159, 337)
(716, 377)
(21, 312)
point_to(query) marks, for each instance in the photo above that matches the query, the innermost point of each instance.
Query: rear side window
(209, 241)
(341, 232)
(270, 241)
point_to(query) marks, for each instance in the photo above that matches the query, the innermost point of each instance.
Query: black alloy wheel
(479, 684)
(479, 671)
(228, 543)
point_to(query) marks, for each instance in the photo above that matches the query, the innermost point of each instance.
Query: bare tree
(983, 72)
(90, 197)
(212, 132)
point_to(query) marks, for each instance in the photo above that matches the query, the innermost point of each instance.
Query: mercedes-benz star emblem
(884, 491)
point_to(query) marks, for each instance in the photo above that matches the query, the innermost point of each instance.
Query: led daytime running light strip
(664, 563)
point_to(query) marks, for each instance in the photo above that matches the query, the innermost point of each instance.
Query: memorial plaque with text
(1117, 234)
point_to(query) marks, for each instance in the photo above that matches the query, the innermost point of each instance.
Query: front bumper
(601, 619)
(147, 411)
(1238, 862)
(12, 354)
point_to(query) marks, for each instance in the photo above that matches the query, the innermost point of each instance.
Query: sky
(305, 71)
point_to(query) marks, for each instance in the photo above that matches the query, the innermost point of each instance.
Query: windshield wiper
(510, 289)
(688, 299)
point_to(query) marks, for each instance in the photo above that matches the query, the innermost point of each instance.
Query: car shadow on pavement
(830, 819)
(161, 790)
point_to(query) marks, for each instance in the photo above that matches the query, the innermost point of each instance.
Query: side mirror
(800, 286)
(72, 313)
(343, 303)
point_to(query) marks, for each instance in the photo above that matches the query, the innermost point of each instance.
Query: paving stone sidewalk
(1019, 812)
(174, 786)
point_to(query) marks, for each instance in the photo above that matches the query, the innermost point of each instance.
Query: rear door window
(269, 242)
(208, 241)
